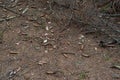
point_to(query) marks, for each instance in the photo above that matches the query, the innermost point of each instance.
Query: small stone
(32, 74)
(49, 22)
(81, 36)
(96, 48)
(37, 48)
(17, 43)
(47, 28)
(46, 34)
(45, 41)
(79, 43)
(54, 46)
(46, 51)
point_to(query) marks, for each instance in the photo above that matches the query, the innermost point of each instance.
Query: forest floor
(33, 47)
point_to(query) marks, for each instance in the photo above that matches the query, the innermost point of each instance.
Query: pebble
(45, 41)
(47, 28)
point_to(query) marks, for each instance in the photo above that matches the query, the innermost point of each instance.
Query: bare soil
(35, 45)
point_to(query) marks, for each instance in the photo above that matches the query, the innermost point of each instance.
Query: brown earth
(34, 46)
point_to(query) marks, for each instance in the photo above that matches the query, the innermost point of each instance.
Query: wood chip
(65, 55)
(50, 72)
(82, 47)
(85, 55)
(42, 62)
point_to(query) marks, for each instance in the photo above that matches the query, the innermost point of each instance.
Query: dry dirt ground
(31, 48)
